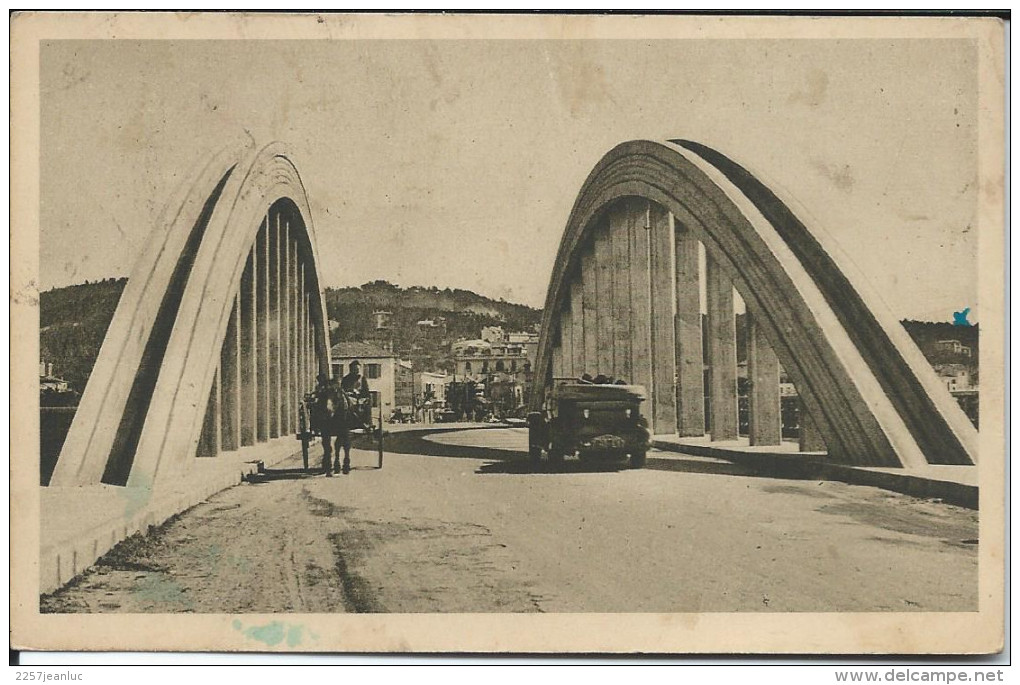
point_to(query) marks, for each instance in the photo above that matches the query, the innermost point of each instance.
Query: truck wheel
(637, 460)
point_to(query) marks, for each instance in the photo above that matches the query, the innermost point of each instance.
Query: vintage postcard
(507, 334)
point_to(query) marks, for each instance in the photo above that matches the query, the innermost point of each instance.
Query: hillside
(73, 321)
(926, 334)
(72, 325)
(463, 312)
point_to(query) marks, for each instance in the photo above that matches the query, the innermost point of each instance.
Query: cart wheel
(637, 460)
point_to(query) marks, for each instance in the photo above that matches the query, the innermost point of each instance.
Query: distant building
(954, 346)
(48, 382)
(436, 324)
(431, 386)
(955, 376)
(492, 334)
(53, 391)
(404, 393)
(379, 367)
(383, 320)
(430, 395)
(501, 366)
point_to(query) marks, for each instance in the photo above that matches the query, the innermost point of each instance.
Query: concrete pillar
(577, 324)
(249, 351)
(298, 379)
(209, 438)
(307, 336)
(295, 379)
(274, 324)
(306, 324)
(640, 308)
(663, 287)
(766, 421)
(604, 310)
(285, 348)
(690, 358)
(811, 439)
(230, 381)
(313, 369)
(621, 216)
(262, 331)
(589, 281)
(310, 369)
(722, 354)
(567, 343)
(302, 332)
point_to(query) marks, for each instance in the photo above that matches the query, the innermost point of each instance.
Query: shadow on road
(516, 462)
(521, 465)
(295, 474)
(524, 466)
(696, 465)
(415, 443)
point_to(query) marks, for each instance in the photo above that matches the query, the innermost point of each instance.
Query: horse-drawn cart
(312, 414)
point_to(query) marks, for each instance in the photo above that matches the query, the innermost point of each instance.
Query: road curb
(810, 466)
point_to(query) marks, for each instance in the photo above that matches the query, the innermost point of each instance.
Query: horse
(336, 413)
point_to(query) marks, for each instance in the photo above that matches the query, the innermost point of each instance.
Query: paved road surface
(455, 522)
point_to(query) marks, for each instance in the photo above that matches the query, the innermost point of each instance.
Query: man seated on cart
(356, 401)
(356, 387)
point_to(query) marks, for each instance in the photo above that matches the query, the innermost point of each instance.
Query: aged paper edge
(737, 633)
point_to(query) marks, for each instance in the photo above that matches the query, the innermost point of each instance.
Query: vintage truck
(596, 421)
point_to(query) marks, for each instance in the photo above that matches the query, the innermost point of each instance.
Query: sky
(455, 163)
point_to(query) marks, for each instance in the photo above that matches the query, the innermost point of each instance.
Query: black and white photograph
(492, 333)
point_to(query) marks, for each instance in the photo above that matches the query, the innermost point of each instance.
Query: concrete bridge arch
(218, 333)
(624, 299)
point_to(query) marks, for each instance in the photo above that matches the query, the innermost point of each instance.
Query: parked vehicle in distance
(446, 416)
(597, 421)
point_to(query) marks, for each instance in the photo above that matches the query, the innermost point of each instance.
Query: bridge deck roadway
(459, 522)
